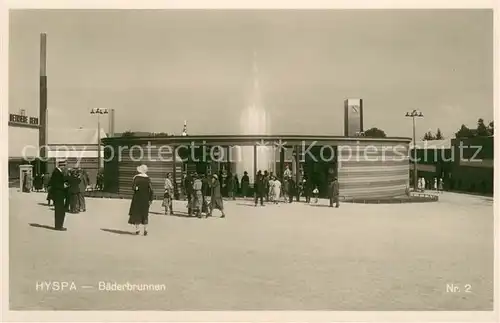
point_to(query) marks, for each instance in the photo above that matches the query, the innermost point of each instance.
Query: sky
(159, 68)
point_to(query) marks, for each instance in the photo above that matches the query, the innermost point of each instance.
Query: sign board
(17, 118)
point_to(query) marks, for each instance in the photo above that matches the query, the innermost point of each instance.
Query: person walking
(141, 200)
(245, 184)
(216, 198)
(58, 185)
(168, 195)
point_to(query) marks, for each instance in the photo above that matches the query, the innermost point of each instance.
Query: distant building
(77, 146)
(464, 164)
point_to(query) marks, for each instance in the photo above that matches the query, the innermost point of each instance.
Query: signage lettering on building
(23, 119)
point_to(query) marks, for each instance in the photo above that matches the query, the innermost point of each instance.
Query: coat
(333, 189)
(57, 182)
(216, 196)
(142, 198)
(260, 185)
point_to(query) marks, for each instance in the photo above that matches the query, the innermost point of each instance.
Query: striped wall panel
(381, 172)
(158, 166)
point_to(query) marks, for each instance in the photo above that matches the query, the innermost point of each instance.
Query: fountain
(254, 120)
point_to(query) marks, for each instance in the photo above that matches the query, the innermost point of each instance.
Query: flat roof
(254, 139)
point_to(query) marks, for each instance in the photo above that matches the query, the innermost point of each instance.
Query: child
(315, 194)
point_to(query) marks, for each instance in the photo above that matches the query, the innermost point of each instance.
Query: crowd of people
(204, 192)
(436, 185)
(66, 188)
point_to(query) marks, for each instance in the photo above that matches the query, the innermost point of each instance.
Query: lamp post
(414, 114)
(98, 112)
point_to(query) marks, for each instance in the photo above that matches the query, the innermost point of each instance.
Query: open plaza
(411, 256)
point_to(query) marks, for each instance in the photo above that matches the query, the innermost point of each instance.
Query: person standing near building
(205, 189)
(74, 191)
(141, 200)
(287, 173)
(259, 188)
(270, 190)
(245, 184)
(291, 190)
(168, 195)
(441, 185)
(230, 186)
(188, 189)
(266, 185)
(58, 185)
(46, 179)
(84, 182)
(334, 192)
(197, 196)
(277, 190)
(216, 197)
(308, 189)
(236, 186)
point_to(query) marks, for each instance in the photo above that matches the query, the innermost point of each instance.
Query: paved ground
(286, 257)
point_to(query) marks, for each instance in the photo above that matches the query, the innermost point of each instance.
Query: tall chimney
(42, 132)
(111, 126)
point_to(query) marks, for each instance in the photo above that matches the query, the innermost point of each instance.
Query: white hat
(142, 169)
(215, 176)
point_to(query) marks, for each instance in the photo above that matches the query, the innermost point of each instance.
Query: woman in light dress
(197, 198)
(276, 190)
(271, 189)
(168, 195)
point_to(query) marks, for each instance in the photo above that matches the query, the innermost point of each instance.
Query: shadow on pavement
(43, 226)
(246, 204)
(177, 214)
(319, 205)
(116, 231)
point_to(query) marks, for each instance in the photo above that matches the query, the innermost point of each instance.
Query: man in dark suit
(259, 188)
(58, 185)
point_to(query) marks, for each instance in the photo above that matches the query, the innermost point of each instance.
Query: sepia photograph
(250, 160)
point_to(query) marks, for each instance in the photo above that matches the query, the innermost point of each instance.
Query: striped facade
(366, 168)
(373, 170)
(119, 172)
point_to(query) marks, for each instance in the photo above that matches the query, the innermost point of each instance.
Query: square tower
(353, 117)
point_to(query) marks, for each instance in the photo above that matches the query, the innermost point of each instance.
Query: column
(228, 160)
(174, 173)
(297, 169)
(254, 162)
(282, 163)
